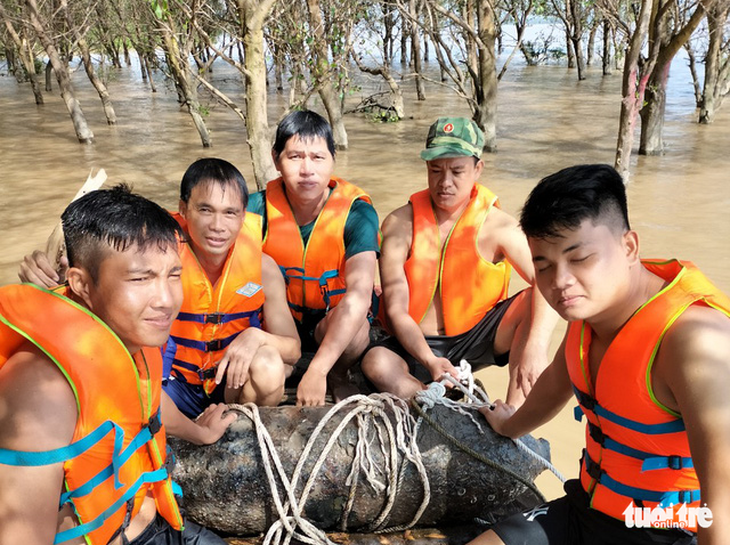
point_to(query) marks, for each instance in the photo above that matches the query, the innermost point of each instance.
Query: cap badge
(449, 127)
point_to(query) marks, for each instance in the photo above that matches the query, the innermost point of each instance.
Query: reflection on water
(547, 120)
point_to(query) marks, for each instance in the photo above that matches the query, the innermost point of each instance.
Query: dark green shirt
(361, 227)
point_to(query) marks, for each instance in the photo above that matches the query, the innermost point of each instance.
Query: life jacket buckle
(155, 423)
(674, 462)
(215, 318)
(596, 434)
(214, 346)
(589, 402)
(594, 470)
(206, 374)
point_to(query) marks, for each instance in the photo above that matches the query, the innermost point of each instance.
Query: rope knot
(431, 395)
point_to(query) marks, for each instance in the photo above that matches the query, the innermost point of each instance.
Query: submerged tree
(717, 62)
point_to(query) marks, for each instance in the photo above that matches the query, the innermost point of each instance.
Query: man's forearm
(411, 338)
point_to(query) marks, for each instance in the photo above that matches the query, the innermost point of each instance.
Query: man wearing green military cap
(445, 265)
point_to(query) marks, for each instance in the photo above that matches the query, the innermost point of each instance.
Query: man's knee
(267, 368)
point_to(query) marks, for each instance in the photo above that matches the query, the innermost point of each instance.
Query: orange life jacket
(637, 449)
(315, 274)
(469, 284)
(212, 317)
(118, 453)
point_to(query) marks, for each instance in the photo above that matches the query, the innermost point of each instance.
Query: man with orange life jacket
(646, 355)
(220, 350)
(445, 270)
(235, 338)
(323, 233)
(82, 447)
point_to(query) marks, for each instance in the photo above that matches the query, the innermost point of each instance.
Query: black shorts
(570, 521)
(159, 532)
(475, 346)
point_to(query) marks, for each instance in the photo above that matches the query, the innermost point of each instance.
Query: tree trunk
(321, 74)
(148, 67)
(257, 125)
(591, 49)
(665, 43)
(717, 71)
(186, 90)
(577, 37)
(652, 114)
(83, 132)
(632, 91)
(26, 56)
(607, 60)
(486, 111)
(49, 77)
(569, 50)
(695, 76)
(111, 116)
(416, 51)
(404, 43)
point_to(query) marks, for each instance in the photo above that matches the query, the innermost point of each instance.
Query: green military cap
(453, 137)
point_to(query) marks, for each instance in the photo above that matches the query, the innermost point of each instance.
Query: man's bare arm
(550, 394)
(37, 269)
(512, 243)
(279, 331)
(206, 429)
(397, 238)
(37, 413)
(691, 375)
(343, 324)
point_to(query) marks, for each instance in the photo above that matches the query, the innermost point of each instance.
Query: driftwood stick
(55, 246)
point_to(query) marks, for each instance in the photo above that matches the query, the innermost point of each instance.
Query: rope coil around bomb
(394, 437)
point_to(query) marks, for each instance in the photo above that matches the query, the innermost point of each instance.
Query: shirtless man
(646, 354)
(76, 376)
(445, 267)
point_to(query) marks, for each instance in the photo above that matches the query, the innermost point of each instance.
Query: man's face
(584, 273)
(214, 215)
(451, 180)
(306, 167)
(137, 294)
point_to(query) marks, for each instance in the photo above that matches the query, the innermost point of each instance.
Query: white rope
(383, 421)
(373, 416)
(434, 394)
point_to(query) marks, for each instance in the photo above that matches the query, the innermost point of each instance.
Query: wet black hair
(564, 199)
(213, 170)
(305, 124)
(116, 219)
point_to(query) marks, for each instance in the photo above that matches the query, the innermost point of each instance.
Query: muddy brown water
(547, 120)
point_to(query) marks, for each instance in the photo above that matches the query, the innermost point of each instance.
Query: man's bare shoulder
(699, 328)
(399, 221)
(498, 221)
(37, 405)
(694, 355)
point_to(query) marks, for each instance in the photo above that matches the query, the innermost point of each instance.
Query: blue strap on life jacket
(663, 498)
(119, 458)
(321, 280)
(651, 461)
(589, 403)
(142, 437)
(87, 527)
(206, 346)
(217, 318)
